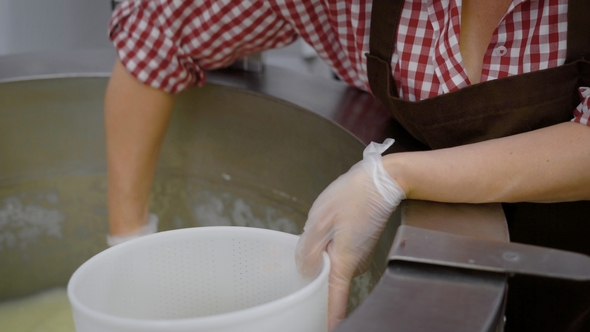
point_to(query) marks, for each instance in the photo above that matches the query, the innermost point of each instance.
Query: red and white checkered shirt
(168, 44)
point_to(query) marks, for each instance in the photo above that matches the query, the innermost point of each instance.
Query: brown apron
(496, 109)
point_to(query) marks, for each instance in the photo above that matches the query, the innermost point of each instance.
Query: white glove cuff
(387, 187)
(149, 228)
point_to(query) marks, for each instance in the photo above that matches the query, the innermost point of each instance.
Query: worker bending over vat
(497, 88)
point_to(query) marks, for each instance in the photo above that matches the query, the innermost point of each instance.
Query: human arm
(163, 49)
(545, 165)
(136, 117)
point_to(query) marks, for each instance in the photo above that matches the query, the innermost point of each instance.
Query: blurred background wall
(42, 25)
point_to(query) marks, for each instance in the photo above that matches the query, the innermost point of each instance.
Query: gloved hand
(347, 220)
(149, 228)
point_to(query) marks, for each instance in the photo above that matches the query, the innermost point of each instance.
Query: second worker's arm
(136, 118)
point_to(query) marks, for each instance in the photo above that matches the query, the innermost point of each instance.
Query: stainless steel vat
(232, 156)
(249, 149)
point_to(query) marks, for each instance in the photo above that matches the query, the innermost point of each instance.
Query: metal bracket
(419, 245)
(252, 63)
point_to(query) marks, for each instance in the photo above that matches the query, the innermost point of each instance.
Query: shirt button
(500, 51)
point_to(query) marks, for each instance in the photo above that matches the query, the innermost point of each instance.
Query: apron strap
(385, 16)
(384, 23)
(578, 30)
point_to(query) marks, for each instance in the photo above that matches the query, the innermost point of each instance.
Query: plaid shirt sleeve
(582, 112)
(168, 44)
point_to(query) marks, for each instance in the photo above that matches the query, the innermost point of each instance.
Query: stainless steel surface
(412, 297)
(419, 245)
(228, 153)
(350, 108)
(479, 221)
(33, 66)
(230, 145)
(244, 142)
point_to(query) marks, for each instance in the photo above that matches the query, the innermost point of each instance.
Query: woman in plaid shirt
(489, 146)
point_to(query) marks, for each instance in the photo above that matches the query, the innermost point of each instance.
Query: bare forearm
(546, 165)
(136, 118)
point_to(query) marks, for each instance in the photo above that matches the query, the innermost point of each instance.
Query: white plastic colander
(200, 279)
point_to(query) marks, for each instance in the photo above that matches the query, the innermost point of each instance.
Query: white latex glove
(149, 228)
(346, 220)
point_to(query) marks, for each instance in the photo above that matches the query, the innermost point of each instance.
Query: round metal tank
(248, 149)
(233, 155)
